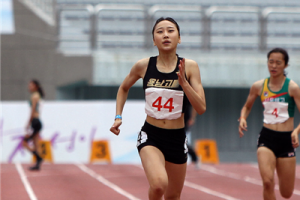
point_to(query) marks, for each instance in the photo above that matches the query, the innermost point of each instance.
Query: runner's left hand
(295, 139)
(181, 74)
(191, 122)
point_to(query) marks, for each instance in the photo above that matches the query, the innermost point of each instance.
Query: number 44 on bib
(164, 103)
(168, 104)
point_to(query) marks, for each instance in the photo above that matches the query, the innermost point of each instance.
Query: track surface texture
(121, 182)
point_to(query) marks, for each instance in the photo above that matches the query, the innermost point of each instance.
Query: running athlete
(278, 138)
(169, 81)
(34, 124)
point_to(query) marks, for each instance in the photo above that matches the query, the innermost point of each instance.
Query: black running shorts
(36, 126)
(171, 142)
(279, 142)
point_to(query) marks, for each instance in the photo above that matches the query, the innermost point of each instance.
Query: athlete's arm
(295, 93)
(193, 90)
(34, 101)
(255, 90)
(136, 72)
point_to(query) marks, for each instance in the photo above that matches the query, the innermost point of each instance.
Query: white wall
(71, 126)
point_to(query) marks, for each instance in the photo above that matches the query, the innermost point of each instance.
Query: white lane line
(106, 182)
(202, 189)
(208, 191)
(258, 182)
(256, 166)
(140, 166)
(25, 182)
(238, 177)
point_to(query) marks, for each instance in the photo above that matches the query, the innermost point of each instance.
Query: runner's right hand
(242, 126)
(115, 127)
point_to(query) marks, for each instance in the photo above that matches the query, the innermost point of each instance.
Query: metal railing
(102, 8)
(265, 14)
(205, 24)
(89, 9)
(45, 9)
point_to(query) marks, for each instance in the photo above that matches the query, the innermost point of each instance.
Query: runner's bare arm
(136, 72)
(253, 94)
(255, 90)
(295, 93)
(193, 89)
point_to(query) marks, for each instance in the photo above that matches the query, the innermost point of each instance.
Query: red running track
(118, 182)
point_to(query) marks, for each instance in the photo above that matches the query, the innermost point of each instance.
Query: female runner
(278, 138)
(168, 81)
(34, 123)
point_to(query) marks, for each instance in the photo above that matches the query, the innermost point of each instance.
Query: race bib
(163, 103)
(275, 112)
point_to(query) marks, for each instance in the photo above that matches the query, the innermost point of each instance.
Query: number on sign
(167, 105)
(43, 149)
(207, 151)
(101, 153)
(275, 112)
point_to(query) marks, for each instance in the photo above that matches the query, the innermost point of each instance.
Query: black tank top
(156, 79)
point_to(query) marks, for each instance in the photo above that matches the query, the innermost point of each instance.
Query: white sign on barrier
(71, 126)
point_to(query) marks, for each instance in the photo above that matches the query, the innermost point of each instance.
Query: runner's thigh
(154, 165)
(266, 163)
(286, 169)
(176, 174)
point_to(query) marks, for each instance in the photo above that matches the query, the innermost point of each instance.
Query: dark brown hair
(170, 19)
(283, 52)
(38, 86)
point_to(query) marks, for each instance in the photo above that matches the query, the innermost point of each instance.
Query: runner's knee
(175, 195)
(268, 183)
(159, 186)
(286, 193)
